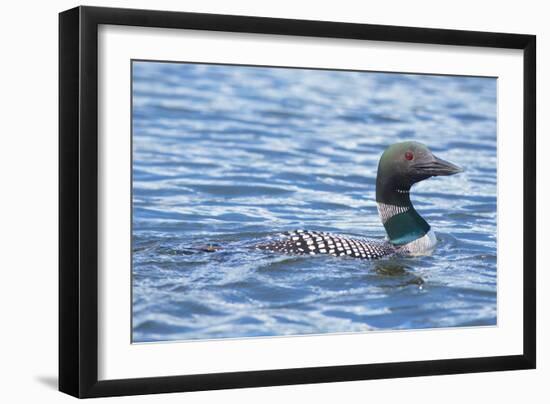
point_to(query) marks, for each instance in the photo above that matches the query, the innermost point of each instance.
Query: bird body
(400, 167)
(304, 242)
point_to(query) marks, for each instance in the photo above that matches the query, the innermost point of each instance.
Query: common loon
(401, 166)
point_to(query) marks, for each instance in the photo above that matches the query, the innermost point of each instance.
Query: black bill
(436, 166)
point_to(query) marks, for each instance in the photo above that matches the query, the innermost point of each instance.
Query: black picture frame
(78, 201)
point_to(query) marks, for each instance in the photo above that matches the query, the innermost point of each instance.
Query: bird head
(406, 163)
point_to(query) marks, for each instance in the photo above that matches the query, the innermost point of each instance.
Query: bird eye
(409, 156)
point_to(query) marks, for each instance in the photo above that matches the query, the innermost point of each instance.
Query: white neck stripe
(388, 211)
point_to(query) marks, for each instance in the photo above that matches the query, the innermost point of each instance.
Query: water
(228, 156)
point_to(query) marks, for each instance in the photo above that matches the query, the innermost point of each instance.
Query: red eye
(409, 156)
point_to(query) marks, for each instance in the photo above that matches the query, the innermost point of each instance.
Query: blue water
(227, 156)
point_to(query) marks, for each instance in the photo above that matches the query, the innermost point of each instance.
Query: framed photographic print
(251, 201)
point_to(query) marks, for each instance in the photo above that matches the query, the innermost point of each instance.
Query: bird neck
(402, 222)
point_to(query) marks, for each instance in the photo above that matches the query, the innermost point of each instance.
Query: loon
(400, 167)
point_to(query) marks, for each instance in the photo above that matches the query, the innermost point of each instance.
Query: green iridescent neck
(406, 227)
(402, 222)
